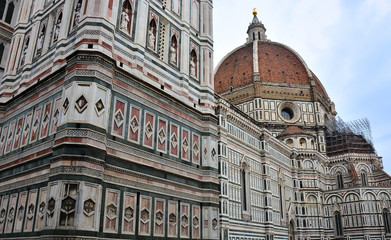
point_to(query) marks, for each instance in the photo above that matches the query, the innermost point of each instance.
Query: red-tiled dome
(236, 70)
(276, 63)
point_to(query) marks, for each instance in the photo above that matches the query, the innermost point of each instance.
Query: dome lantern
(256, 30)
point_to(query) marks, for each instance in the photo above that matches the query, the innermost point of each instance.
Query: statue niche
(193, 64)
(57, 27)
(41, 37)
(25, 48)
(174, 50)
(126, 17)
(152, 35)
(77, 14)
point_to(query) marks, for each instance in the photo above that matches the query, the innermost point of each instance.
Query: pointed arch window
(339, 180)
(194, 14)
(387, 221)
(291, 230)
(281, 201)
(338, 224)
(245, 188)
(364, 179)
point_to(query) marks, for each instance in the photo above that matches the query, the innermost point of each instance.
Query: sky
(346, 43)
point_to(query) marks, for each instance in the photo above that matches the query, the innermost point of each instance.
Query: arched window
(245, 188)
(259, 35)
(2, 8)
(339, 180)
(281, 201)
(289, 142)
(10, 13)
(338, 224)
(291, 230)
(194, 14)
(1, 51)
(387, 220)
(254, 36)
(302, 143)
(364, 179)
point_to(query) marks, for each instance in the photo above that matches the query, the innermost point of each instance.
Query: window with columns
(338, 224)
(339, 180)
(1, 52)
(6, 11)
(364, 179)
(387, 221)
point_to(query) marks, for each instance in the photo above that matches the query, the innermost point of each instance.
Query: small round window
(287, 113)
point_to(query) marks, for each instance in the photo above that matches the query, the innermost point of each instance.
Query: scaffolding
(348, 137)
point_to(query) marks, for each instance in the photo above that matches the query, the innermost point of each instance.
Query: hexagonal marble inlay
(185, 221)
(159, 217)
(172, 219)
(144, 215)
(129, 213)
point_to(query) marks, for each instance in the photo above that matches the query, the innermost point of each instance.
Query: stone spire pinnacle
(256, 30)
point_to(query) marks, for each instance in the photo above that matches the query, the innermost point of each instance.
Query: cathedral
(114, 124)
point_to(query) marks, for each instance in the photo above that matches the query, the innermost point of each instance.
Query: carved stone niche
(20, 213)
(51, 205)
(196, 222)
(144, 216)
(30, 211)
(41, 208)
(159, 217)
(89, 207)
(2, 215)
(129, 214)
(11, 214)
(214, 223)
(185, 221)
(172, 219)
(111, 211)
